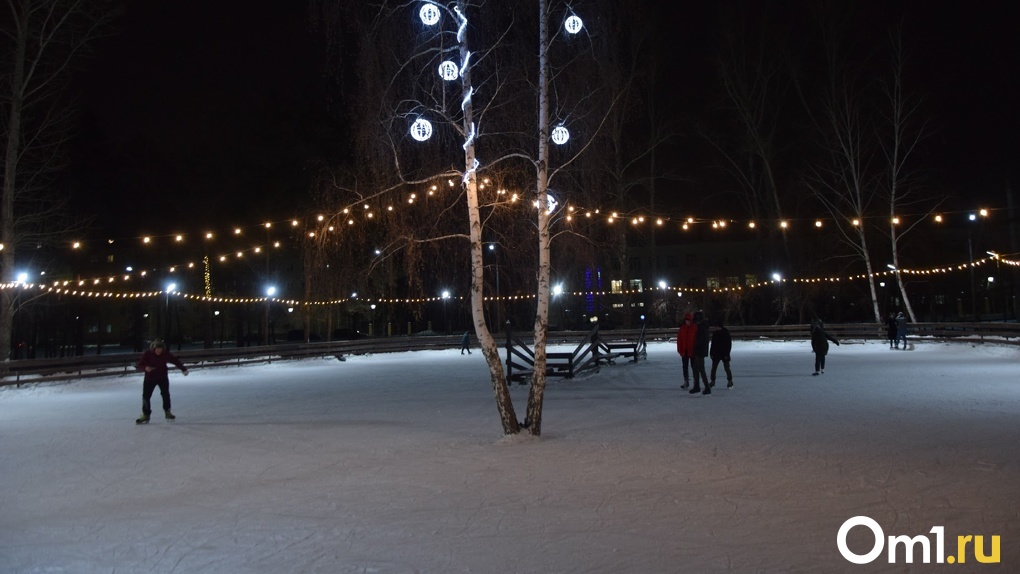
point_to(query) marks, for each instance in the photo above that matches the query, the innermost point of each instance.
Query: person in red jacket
(685, 345)
(154, 364)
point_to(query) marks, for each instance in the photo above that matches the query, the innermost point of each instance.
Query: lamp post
(216, 315)
(166, 310)
(446, 316)
(782, 304)
(894, 270)
(556, 292)
(270, 291)
(492, 248)
(973, 218)
(22, 280)
(665, 302)
(371, 321)
(998, 276)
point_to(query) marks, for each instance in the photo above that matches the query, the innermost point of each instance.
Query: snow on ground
(395, 463)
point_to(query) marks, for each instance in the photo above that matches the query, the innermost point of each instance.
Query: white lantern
(573, 24)
(429, 14)
(448, 71)
(560, 135)
(550, 203)
(421, 129)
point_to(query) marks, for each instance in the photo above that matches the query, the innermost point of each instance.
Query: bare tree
(753, 69)
(902, 133)
(845, 180)
(43, 39)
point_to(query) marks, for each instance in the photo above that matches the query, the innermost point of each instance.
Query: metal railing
(18, 372)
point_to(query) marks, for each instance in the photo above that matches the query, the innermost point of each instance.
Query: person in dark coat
(890, 329)
(820, 345)
(722, 344)
(154, 363)
(901, 331)
(465, 343)
(701, 342)
(685, 345)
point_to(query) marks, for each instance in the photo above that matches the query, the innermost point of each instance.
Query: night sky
(197, 112)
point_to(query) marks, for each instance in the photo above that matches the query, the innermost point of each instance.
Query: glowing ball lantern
(560, 135)
(429, 14)
(421, 129)
(573, 24)
(448, 71)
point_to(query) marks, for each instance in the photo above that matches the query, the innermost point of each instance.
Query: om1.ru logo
(908, 544)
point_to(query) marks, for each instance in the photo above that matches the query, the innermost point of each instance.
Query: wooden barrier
(592, 352)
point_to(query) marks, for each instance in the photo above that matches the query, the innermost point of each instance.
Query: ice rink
(396, 463)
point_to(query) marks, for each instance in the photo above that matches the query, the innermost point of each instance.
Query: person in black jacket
(820, 345)
(722, 344)
(701, 341)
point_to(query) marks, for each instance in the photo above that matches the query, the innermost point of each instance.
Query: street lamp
(270, 291)
(782, 304)
(371, 324)
(557, 291)
(973, 218)
(446, 316)
(1002, 292)
(166, 311)
(492, 248)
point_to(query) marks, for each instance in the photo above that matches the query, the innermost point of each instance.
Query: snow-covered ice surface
(396, 463)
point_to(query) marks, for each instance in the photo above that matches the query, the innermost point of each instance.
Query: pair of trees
(863, 125)
(494, 82)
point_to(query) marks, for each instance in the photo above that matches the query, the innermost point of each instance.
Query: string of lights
(66, 289)
(352, 214)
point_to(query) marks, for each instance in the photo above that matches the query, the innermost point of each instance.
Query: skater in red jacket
(154, 363)
(685, 346)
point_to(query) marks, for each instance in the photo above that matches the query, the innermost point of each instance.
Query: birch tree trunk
(504, 404)
(902, 141)
(537, 394)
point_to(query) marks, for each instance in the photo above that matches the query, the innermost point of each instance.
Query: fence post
(509, 352)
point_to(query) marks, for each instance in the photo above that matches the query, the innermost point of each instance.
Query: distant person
(820, 345)
(465, 343)
(901, 330)
(685, 346)
(154, 363)
(890, 328)
(722, 344)
(701, 342)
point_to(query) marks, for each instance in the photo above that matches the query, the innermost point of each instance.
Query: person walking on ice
(901, 330)
(820, 345)
(722, 344)
(154, 363)
(465, 343)
(701, 342)
(685, 346)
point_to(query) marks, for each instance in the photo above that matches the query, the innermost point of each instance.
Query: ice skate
(169, 415)
(142, 420)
